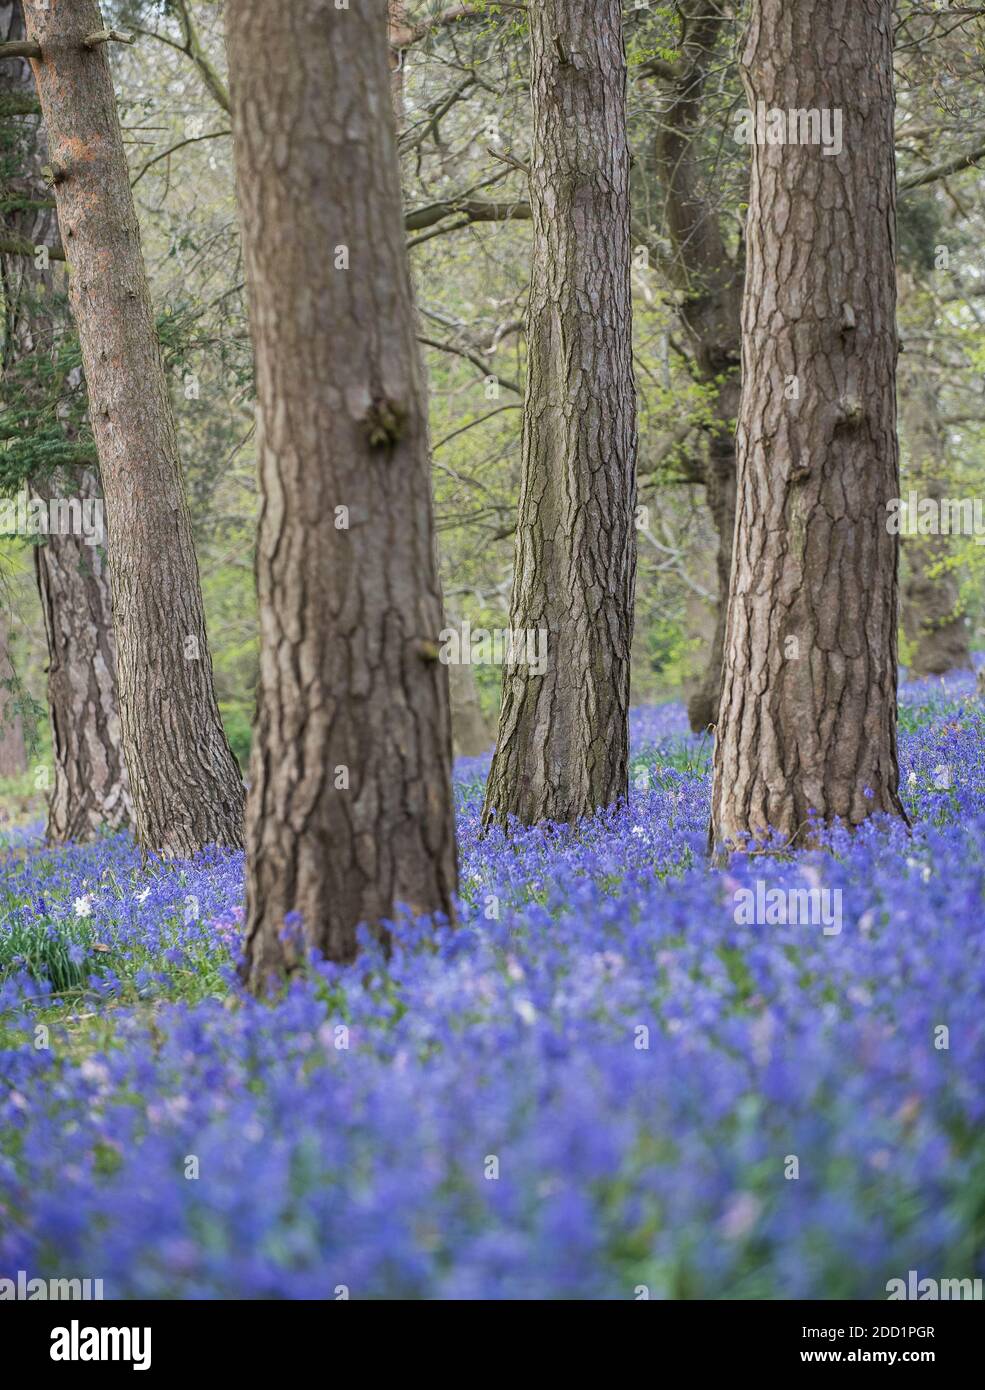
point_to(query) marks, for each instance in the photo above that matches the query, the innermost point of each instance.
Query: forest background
(460, 86)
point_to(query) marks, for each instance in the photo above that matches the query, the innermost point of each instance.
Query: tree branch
(20, 48)
(192, 48)
(471, 209)
(485, 368)
(405, 35)
(511, 405)
(954, 165)
(108, 36)
(191, 140)
(659, 68)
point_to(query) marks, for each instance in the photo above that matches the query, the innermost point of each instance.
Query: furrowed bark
(807, 723)
(186, 788)
(350, 809)
(13, 753)
(563, 736)
(90, 790)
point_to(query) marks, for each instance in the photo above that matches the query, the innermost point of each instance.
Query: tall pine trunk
(350, 809)
(13, 752)
(563, 750)
(90, 789)
(186, 787)
(470, 732)
(720, 474)
(807, 723)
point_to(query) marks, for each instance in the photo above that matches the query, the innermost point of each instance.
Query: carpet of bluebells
(597, 1084)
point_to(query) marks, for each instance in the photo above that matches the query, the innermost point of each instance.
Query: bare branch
(20, 48)
(108, 36)
(965, 160)
(484, 367)
(406, 35)
(659, 68)
(472, 424)
(191, 140)
(470, 209)
(192, 48)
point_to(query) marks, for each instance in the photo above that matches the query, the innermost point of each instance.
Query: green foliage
(236, 722)
(43, 423)
(666, 647)
(65, 951)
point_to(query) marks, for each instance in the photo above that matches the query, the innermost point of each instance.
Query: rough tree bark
(90, 789)
(186, 788)
(807, 724)
(350, 808)
(563, 736)
(397, 33)
(13, 753)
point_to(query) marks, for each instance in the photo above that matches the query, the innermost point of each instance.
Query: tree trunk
(397, 31)
(807, 724)
(350, 808)
(13, 754)
(709, 282)
(471, 734)
(932, 617)
(563, 734)
(91, 790)
(187, 790)
(702, 707)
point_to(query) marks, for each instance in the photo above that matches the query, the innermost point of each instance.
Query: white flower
(526, 1011)
(142, 897)
(83, 905)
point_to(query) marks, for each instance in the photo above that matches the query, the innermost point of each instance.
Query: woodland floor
(596, 1085)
